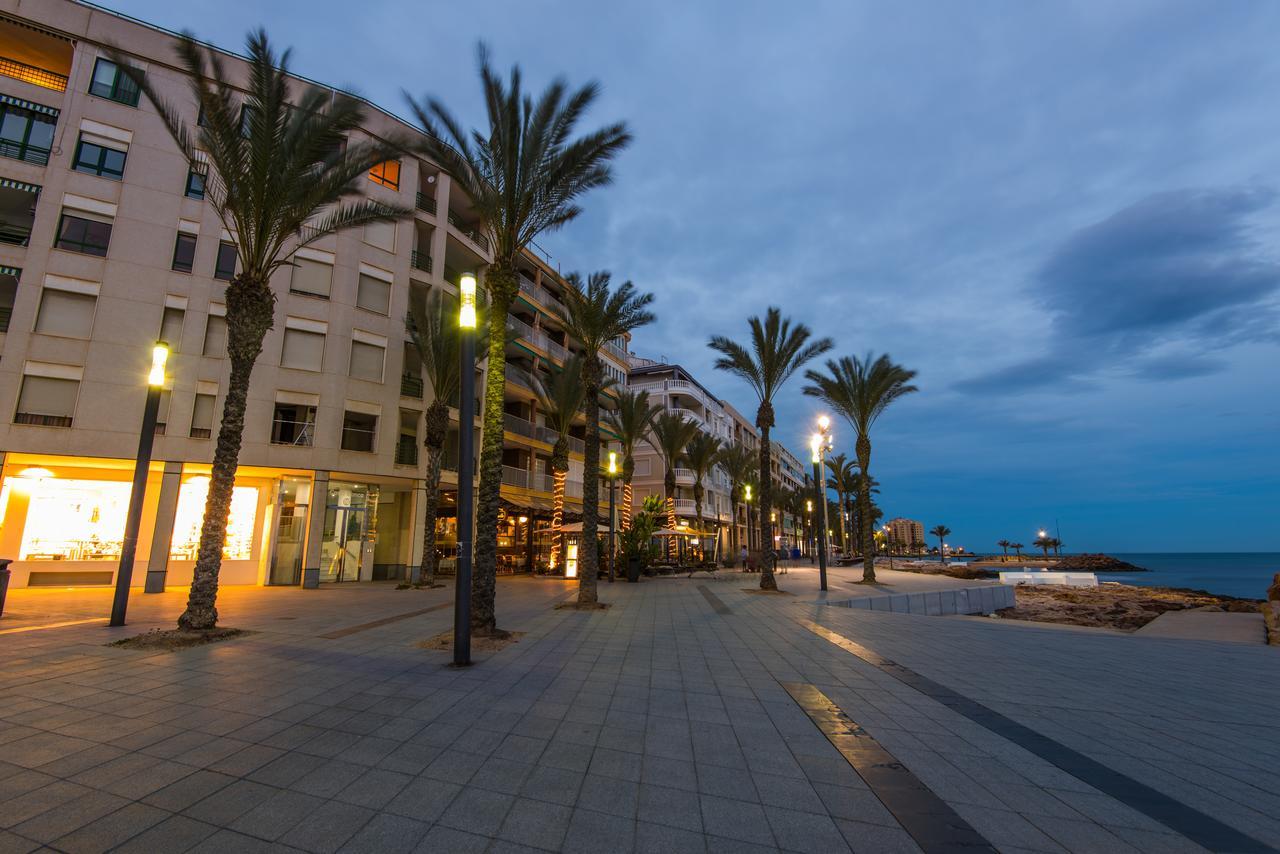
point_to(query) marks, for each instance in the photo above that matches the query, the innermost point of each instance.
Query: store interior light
(524, 520)
(35, 473)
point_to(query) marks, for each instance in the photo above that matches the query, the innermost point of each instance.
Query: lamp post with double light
(133, 517)
(746, 498)
(613, 482)
(466, 469)
(820, 443)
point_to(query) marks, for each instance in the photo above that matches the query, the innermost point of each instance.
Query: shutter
(67, 314)
(302, 350)
(311, 277)
(202, 412)
(215, 336)
(367, 361)
(381, 235)
(373, 294)
(48, 396)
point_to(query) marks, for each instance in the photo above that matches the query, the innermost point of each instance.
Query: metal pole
(133, 520)
(612, 484)
(466, 500)
(819, 472)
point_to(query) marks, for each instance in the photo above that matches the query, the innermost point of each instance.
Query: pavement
(1207, 625)
(693, 715)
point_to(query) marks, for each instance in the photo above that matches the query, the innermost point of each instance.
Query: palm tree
(433, 330)
(669, 436)
(1017, 549)
(843, 472)
(279, 181)
(1045, 543)
(593, 316)
(778, 349)
(941, 532)
(630, 420)
(523, 175)
(1004, 545)
(701, 455)
(739, 464)
(861, 390)
(561, 398)
(873, 489)
(1057, 547)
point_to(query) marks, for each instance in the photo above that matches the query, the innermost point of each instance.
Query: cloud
(1185, 267)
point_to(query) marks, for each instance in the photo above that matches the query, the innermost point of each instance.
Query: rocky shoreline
(1115, 606)
(1071, 563)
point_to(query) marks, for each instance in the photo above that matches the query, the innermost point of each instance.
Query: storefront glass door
(291, 530)
(347, 530)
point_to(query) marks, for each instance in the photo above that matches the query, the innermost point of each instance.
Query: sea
(1243, 574)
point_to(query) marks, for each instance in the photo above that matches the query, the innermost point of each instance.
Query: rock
(1095, 563)
(1273, 592)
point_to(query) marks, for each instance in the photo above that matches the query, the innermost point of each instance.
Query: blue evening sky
(1064, 216)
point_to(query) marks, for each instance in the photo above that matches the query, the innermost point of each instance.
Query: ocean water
(1245, 574)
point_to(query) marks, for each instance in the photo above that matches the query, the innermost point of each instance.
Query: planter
(633, 570)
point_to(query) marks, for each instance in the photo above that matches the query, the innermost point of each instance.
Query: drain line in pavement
(364, 627)
(1199, 827)
(717, 604)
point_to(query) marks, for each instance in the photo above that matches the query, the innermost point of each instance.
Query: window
(46, 401)
(99, 160)
(373, 294)
(79, 234)
(202, 417)
(215, 337)
(25, 134)
(184, 252)
(381, 235)
(225, 267)
(303, 350)
(293, 424)
(367, 361)
(110, 81)
(64, 313)
(171, 327)
(358, 431)
(312, 278)
(195, 184)
(162, 412)
(386, 174)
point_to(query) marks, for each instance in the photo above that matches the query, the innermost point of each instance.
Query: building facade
(107, 245)
(906, 535)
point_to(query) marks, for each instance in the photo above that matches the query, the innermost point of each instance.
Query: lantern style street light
(133, 517)
(746, 497)
(466, 470)
(820, 443)
(613, 482)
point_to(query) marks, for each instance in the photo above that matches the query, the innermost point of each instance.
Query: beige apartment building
(906, 535)
(107, 245)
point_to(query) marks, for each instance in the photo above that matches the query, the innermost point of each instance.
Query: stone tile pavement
(659, 725)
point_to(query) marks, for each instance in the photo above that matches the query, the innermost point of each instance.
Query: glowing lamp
(467, 301)
(823, 423)
(159, 356)
(613, 463)
(35, 473)
(524, 520)
(748, 492)
(808, 506)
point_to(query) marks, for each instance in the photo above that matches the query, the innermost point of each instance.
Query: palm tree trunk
(624, 523)
(589, 550)
(437, 430)
(501, 285)
(697, 513)
(764, 420)
(250, 311)
(669, 487)
(863, 450)
(557, 515)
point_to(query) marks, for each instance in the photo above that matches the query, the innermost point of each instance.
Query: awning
(16, 272)
(29, 105)
(20, 185)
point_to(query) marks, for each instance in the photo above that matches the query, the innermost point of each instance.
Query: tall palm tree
(561, 398)
(739, 465)
(873, 489)
(523, 174)
(669, 436)
(701, 455)
(778, 349)
(861, 390)
(1017, 549)
(1004, 545)
(843, 472)
(279, 181)
(630, 420)
(1045, 543)
(595, 314)
(941, 532)
(433, 330)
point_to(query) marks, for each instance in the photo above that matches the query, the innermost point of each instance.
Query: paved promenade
(692, 716)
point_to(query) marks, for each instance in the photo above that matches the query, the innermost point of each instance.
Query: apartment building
(906, 535)
(106, 245)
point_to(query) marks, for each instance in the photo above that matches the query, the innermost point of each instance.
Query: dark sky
(1064, 216)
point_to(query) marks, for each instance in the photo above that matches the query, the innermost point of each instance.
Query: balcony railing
(616, 351)
(688, 414)
(411, 386)
(683, 475)
(521, 426)
(287, 432)
(33, 74)
(420, 261)
(407, 450)
(519, 328)
(470, 233)
(6, 314)
(24, 151)
(685, 505)
(521, 378)
(513, 476)
(426, 203)
(15, 234)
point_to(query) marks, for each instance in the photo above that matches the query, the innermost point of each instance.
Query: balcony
(688, 414)
(426, 204)
(519, 329)
(684, 477)
(420, 261)
(17, 211)
(42, 77)
(520, 377)
(521, 426)
(616, 351)
(512, 476)
(471, 233)
(407, 450)
(411, 386)
(684, 506)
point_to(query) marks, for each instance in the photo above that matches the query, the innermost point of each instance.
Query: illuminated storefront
(189, 519)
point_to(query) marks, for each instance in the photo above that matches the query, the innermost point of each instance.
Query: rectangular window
(195, 184)
(202, 417)
(78, 234)
(358, 431)
(46, 401)
(25, 134)
(293, 424)
(367, 361)
(162, 412)
(386, 174)
(184, 252)
(246, 118)
(215, 337)
(66, 314)
(311, 278)
(373, 294)
(302, 350)
(171, 327)
(225, 267)
(99, 160)
(109, 81)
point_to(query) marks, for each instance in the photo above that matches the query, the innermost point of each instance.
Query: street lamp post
(466, 466)
(613, 482)
(888, 544)
(819, 444)
(746, 498)
(133, 519)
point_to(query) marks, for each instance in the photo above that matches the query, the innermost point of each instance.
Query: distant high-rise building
(905, 533)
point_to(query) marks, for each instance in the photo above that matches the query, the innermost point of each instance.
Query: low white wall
(964, 600)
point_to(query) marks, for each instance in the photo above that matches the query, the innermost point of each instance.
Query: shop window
(26, 134)
(358, 431)
(215, 337)
(381, 234)
(110, 81)
(225, 267)
(189, 519)
(293, 424)
(171, 327)
(100, 160)
(386, 174)
(311, 278)
(46, 401)
(373, 294)
(195, 184)
(66, 314)
(184, 253)
(302, 350)
(202, 417)
(367, 361)
(80, 233)
(74, 520)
